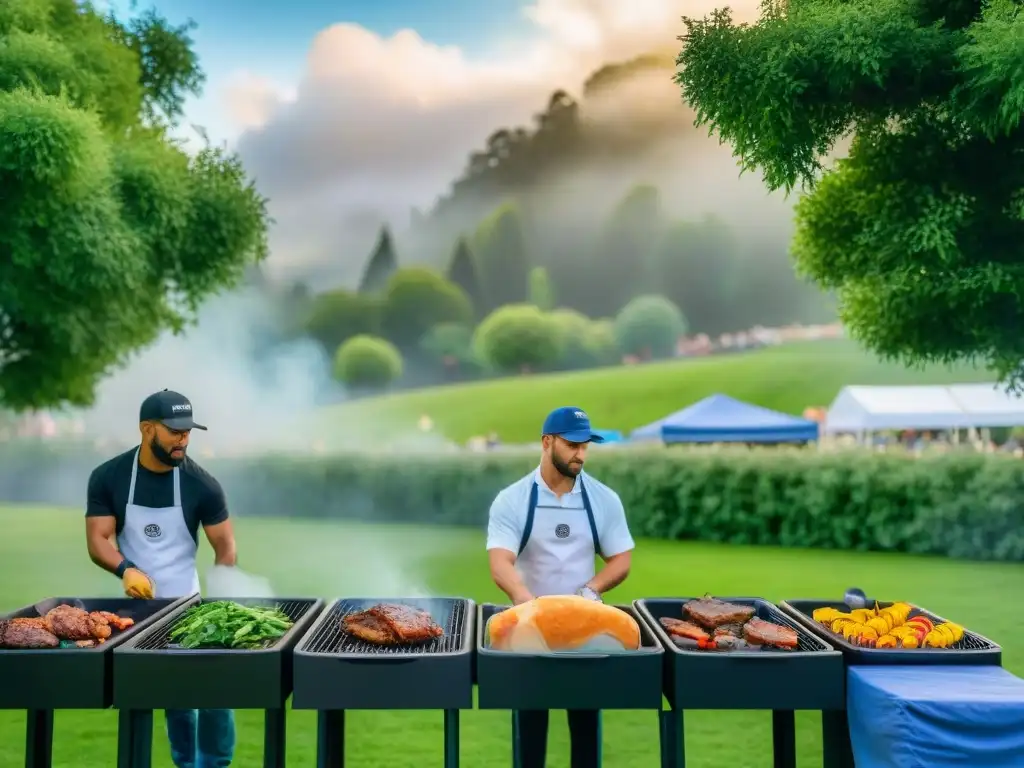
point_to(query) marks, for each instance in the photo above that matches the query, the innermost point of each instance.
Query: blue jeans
(203, 738)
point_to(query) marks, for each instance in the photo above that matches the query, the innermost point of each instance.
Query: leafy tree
(109, 232)
(336, 316)
(542, 293)
(415, 300)
(696, 267)
(649, 327)
(464, 272)
(382, 264)
(586, 343)
(518, 337)
(504, 265)
(624, 248)
(919, 228)
(367, 362)
(451, 345)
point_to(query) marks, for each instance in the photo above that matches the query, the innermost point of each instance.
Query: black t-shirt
(202, 499)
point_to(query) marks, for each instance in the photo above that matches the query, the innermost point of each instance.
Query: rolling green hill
(787, 378)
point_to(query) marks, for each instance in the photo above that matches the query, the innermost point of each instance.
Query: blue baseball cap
(572, 424)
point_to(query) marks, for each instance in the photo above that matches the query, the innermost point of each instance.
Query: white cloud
(377, 125)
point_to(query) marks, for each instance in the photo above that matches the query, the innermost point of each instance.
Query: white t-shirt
(507, 518)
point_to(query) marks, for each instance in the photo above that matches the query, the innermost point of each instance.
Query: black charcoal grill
(971, 649)
(150, 672)
(591, 681)
(335, 671)
(810, 676)
(42, 680)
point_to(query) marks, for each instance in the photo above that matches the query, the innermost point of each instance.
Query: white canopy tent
(862, 409)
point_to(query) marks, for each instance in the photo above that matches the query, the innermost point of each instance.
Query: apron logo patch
(152, 531)
(562, 531)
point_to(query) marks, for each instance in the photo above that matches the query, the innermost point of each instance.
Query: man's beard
(163, 456)
(565, 469)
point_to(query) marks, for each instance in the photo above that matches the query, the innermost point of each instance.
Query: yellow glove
(137, 584)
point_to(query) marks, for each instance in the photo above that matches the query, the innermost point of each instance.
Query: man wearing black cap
(151, 501)
(543, 534)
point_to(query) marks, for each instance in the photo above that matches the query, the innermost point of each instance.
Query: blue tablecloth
(934, 717)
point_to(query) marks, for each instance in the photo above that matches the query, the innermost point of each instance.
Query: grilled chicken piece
(712, 613)
(760, 632)
(390, 624)
(119, 623)
(26, 633)
(680, 628)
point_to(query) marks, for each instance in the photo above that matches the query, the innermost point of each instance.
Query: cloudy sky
(351, 111)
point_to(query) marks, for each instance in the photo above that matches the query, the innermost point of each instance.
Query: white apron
(158, 541)
(556, 554)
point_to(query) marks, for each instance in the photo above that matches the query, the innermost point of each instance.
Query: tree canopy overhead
(110, 232)
(920, 227)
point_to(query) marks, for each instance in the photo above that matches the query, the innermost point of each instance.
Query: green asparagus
(226, 624)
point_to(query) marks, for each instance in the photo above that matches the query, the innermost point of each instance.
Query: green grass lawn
(43, 555)
(787, 378)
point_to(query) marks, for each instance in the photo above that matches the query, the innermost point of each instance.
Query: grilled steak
(711, 613)
(680, 628)
(26, 633)
(390, 624)
(760, 632)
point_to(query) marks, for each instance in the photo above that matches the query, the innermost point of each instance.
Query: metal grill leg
(134, 738)
(330, 738)
(39, 738)
(274, 732)
(835, 737)
(451, 738)
(673, 744)
(784, 738)
(517, 750)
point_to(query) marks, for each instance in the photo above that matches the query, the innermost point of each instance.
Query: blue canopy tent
(610, 435)
(722, 419)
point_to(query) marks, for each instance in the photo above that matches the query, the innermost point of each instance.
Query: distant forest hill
(610, 195)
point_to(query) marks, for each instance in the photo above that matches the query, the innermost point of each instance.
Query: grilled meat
(760, 632)
(679, 628)
(712, 613)
(119, 623)
(26, 633)
(733, 643)
(70, 623)
(731, 630)
(390, 624)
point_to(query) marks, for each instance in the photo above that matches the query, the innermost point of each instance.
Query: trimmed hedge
(960, 505)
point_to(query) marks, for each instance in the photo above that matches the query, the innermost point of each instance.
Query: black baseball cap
(172, 409)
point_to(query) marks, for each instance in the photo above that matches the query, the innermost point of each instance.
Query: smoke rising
(379, 126)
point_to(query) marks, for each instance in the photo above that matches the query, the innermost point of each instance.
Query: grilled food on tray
(64, 623)
(392, 624)
(721, 626)
(563, 624)
(891, 627)
(711, 613)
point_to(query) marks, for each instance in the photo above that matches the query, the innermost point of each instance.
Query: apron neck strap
(135, 475)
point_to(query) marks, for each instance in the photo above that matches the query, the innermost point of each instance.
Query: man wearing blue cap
(543, 534)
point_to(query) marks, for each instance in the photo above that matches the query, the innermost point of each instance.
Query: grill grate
(159, 639)
(969, 642)
(330, 638)
(806, 641)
